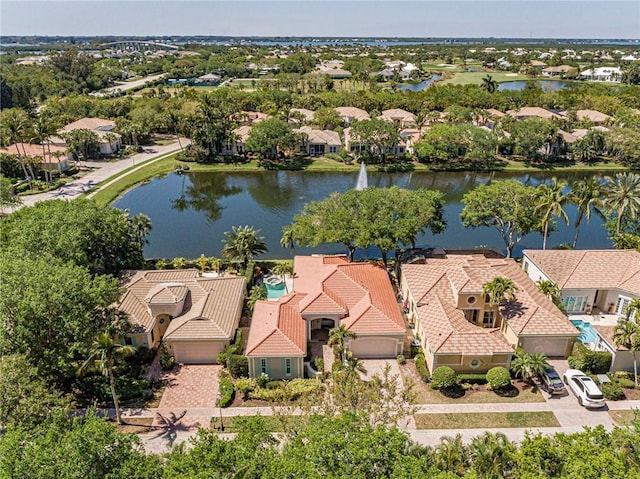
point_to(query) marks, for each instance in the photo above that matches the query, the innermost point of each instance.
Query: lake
(546, 85)
(191, 212)
(420, 86)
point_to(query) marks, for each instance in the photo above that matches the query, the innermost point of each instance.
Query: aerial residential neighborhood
(319, 240)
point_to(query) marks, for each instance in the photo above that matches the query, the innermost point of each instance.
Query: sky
(331, 18)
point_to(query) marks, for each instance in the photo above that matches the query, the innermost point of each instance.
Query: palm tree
(550, 202)
(43, 129)
(622, 197)
(242, 243)
(627, 333)
(283, 269)
(527, 366)
(633, 310)
(489, 84)
(256, 294)
(353, 365)
(451, 455)
(498, 289)
(104, 355)
(337, 339)
(287, 240)
(173, 119)
(491, 455)
(16, 123)
(551, 290)
(141, 225)
(586, 194)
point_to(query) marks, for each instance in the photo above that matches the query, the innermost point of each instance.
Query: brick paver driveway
(191, 386)
(376, 366)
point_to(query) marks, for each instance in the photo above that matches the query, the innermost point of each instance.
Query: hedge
(421, 366)
(590, 362)
(443, 377)
(472, 378)
(226, 392)
(612, 391)
(238, 366)
(498, 377)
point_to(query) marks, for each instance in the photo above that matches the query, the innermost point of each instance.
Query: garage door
(373, 347)
(547, 346)
(196, 352)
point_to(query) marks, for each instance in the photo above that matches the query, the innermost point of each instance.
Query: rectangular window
(287, 366)
(333, 149)
(525, 266)
(621, 305)
(575, 303)
(128, 341)
(488, 317)
(471, 315)
(263, 366)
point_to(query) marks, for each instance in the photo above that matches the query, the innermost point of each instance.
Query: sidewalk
(103, 171)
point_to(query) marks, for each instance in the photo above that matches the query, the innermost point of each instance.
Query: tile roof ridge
(583, 253)
(444, 273)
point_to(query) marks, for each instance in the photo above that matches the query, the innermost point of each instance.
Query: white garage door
(196, 352)
(373, 347)
(547, 346)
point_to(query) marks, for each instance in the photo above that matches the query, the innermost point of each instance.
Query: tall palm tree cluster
(627, 333)
(616, 199)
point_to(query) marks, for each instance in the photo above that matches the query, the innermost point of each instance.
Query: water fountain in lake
(362, 182)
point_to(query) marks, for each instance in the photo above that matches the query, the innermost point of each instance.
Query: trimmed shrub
(401, 360)
(612, 391)
(246, 386)
(626, 383)
(623, 374)
(167, 361)
(443, 377)
(262, 380)
(222, 357)
(590, 362)
(421, 366)
(275, 384)
(473, 378)
(238, 366)
(280, 391)
(226, 392)
(498, 377)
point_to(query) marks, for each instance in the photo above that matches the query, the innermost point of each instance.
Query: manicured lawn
(485, 420)
(475, 78)
(623, 417)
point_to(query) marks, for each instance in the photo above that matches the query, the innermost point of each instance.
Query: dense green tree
(104, 355)
(489, 84)
(83, 144)
(530, 136)
(624, 145)
(271, 137)
(50, 311)
(25, 399)
(528, 365)
(376, 137)
(242, 243)
(15, 127)
(326, 118)
(507, 206)
(590, 147)
(7, 193)
(102, 239)
(550, 200)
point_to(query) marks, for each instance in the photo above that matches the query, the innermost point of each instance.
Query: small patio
(597, 319)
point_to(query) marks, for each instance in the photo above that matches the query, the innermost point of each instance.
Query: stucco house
(458, 327)
(327, 291)
(533, 112)
(196, 317)
(404, 119)
(239, 144)
(349, 114)
(53, 157)
(110, 141)
(608, 74)
(596, 286)
(319, 142)
(354, 145)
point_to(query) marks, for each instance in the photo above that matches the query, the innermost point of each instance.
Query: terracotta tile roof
(398, 114)
(211, 309)
(533, 111)
(98, 124)
(436, 284)
(494, 112)
(352, 112)
(592, 115)
(36, 151)
(326, 137)
(307, 114)
(360, 293)
(242, 132)
(592, 269)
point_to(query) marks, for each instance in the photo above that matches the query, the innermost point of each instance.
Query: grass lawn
(623, 417)
(475, 78)
(474, 420)
(273, 423)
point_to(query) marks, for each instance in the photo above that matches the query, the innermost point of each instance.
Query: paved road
(101, 171)
(130, 85)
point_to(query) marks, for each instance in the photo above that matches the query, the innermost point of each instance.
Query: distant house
(559, 71)
(533, 112)
(403, 118)
(354, 145)
(209, 79)
(319, 142)
(248, 118)
(349, 114)
(608, 74)
(537, 64)
(306, 115)
(335, 72)
(110, 141)
(594, 116)
(238, 146)
(458, 327)
(582, 132)
(53, 157)
(196, 317)
(328, 291)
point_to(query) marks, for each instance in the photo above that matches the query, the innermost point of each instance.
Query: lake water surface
(190, 213)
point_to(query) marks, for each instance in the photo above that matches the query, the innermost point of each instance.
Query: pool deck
(597, 319)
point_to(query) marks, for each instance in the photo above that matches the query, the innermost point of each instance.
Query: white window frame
(488, 314)
(263, 366)
(622, 303)
(570, 303)
(287, 366)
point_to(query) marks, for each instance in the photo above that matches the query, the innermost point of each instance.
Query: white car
(585, 389)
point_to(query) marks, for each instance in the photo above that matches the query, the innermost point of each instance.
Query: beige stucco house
(457, 327)
(319, 142)
(349, 114)
(596, 286)
(110, 141)
(196, 317)
(53, 157)
(404, 119)
(328, 291)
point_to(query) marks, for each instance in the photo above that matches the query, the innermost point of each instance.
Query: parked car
(585, 389)
(551, 381)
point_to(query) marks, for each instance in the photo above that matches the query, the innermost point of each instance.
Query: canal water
(191, 212)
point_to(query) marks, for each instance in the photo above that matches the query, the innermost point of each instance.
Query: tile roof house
(110, 141)
(403, 118)
(303, 113)
(53, 157)
(457, 326)
(533, 111)
(349, 114)
(354, 145)
(196, 317)
(319, 142)
(249, 118)
(239, 145)
(327, 291)
(561, 71)
(594, 284)
(594, 116)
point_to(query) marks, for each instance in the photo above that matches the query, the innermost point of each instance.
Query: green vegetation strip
(485, 420)
(427, 396)
(272, 423)
(624, 417)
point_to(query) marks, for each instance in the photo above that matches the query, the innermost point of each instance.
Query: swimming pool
(275, 287)
(587, 333)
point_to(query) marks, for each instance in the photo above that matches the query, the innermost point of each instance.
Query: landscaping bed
(519, 392)
(135, 425)
(486, 420)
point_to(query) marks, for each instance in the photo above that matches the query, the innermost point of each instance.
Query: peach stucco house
(328, 291)
(457, 327)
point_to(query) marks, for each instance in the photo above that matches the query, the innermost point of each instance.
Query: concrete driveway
(376, 366)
